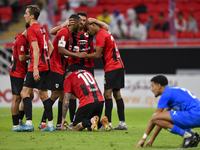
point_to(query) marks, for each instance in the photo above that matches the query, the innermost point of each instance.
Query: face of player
(82, 21)
(155, 88)
(77, 26)
(91, 29)
(27, 16)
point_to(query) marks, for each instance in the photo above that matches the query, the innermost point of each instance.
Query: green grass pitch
(136, 119)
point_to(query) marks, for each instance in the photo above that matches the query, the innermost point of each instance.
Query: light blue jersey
(178, 99)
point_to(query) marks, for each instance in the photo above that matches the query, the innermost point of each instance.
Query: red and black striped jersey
(36, 32)
(82, 84)
(85, 43)
(58, 61)
(110, 56)
(21, 47)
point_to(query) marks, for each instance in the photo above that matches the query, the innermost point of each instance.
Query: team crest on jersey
(86, 34)
(56, 85)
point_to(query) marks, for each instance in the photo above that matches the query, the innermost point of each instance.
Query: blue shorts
(186, 119)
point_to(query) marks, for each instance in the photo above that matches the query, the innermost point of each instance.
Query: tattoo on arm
(65, 104)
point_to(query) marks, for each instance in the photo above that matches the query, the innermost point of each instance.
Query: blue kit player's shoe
(27, 128)
(17, 128)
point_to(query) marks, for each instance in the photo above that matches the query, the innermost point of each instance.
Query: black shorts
(43, 83)
(114, 79)
(88, 111)
(16, 85)
(77, 66)
(56, 82)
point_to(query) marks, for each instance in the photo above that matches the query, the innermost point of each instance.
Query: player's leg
(25, 95)
(108, 104)
(120, 110)
(72, 109)
(47, 102)
(166, 120)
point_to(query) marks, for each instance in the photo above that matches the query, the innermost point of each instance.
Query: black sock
(48, 109)
(44, 117)
(15, 119)
(28, 108)
(21, 115)
(59, 120)
(108, 108)
(120, 109)
(72, 108)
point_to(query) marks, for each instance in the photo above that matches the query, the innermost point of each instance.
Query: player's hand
(36, 75)
(140, 144)
(63, 123)
(149, 143)
(82, 55)
(68, 22)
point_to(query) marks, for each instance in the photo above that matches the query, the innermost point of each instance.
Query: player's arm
(66, 23)
(150, 127)
(23, 58)
(51, 48)
(97, 54)
(65, 108)
(100, 23)
(156, 132)
(63, 51)
(36, 52)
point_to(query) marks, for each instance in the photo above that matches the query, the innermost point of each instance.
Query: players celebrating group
(66, 67)
(71, 55)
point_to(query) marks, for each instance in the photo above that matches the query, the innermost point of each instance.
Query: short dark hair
(82, 13)
(75, 17)
(66, 74)
(27, 25)
(161, 15)
(34, 10)
(160, 79)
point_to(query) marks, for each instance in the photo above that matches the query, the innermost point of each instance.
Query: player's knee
(16, 99)
(55, 95)
(107, 95)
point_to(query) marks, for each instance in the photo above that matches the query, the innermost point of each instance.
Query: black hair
(161, 15)
(27, 25)
(66, 74)
(34, 10)
(75, 17)
(160, 79)
(82, 13)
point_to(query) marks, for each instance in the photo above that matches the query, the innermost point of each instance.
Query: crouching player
(82, 84)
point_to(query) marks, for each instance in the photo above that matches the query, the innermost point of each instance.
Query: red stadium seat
(156, 34)
(197, 35)
(185, 34)
(57, 18)
(24, 2)
(166, 34)
(5, 14)
(143, 17)
(123, 8)
(146, 2)
(105, 2)
(83, 8)
(96, 9)
(61, 3)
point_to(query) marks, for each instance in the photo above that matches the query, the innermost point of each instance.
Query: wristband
(144, 136)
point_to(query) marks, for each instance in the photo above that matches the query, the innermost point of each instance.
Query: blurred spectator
(162, 24)
(74, 3)
(119, 30)
(131, 14)
(89, 3)
(138, 31)
(43, 17)
(180, 23)
(149, 23)
(115, 16)
(104, 17)
(67, 12)
(192, 24)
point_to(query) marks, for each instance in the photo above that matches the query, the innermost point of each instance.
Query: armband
(145, 136)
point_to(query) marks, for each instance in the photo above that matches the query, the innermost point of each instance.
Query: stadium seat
(123, 8)
(143, 17)
(185, 34)
(146, 2)
(182, 7)
(197, 35)
(5, 14)
(166, 34)
(96, 9)
(83, 8)
(105, 2)
(156, 34)
(61, 3)
(57, 18)
(193, 7)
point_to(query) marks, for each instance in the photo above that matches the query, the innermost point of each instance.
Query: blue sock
(177, 130)
(188, 130)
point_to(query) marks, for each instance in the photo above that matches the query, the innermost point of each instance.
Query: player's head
(32, 13)
(158, 83)
(25, 32)
(66, 74)
(76, 20)
(92, 28)
(83, 17)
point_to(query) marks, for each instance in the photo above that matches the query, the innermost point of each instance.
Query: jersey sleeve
(62, 36)
(67, 86)
(163, 101)
(31, 35)
(21, 46)
(100, 40)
